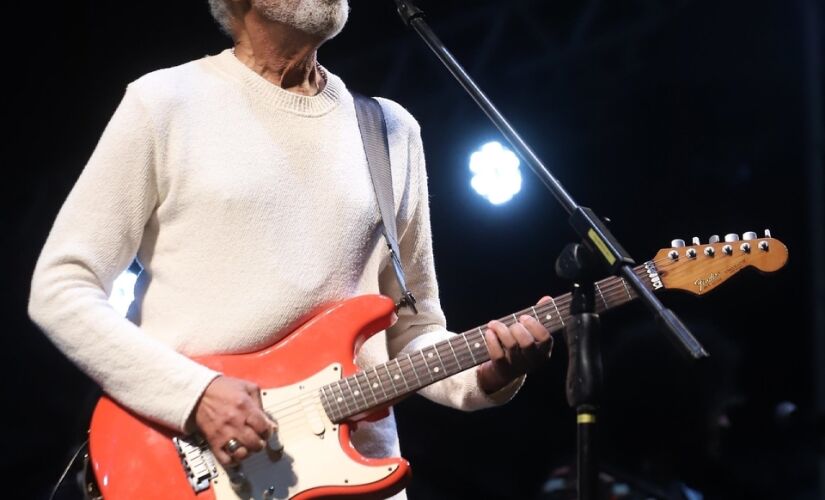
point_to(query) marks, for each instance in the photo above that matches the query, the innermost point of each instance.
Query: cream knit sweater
(248, 206)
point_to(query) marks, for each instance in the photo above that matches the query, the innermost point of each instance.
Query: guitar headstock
(699, 268)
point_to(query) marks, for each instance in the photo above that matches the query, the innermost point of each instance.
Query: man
(239, 181)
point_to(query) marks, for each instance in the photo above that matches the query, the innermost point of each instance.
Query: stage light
(496, 174)
(123, 292)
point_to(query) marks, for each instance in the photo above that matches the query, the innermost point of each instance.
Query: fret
(479, 342)
(374, 398)
(360, 389)
(380, 382)
(535, 314)
(438, 355)
(515, 320)
(341, 398)
(606, 305)
(557, 310)
(394, 388)
(354, 394)
(330, 401)
(401, 374)
(426, 365)
(457, 360)
(466, 347)
(475, 362)
(624, 284)
(415, 372)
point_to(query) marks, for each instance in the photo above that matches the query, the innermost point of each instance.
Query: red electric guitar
(313, 389)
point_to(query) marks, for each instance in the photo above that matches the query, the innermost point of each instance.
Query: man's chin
(323, 19)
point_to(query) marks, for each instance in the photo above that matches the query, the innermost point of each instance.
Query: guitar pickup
(312, 411)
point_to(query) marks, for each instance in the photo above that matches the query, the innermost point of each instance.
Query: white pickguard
(312, 456)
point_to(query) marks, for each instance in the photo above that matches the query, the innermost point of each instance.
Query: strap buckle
(407, 300)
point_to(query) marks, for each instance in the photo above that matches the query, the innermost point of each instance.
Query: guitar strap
(376, 145)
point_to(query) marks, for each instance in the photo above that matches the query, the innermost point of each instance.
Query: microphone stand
(584, 371)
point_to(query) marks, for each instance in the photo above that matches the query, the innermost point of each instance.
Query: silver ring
(232, 446)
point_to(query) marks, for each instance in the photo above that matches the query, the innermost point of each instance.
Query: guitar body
(135, 458)
(312, 388)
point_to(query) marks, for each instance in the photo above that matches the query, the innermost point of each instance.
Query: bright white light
(123, 292)
(496, 175)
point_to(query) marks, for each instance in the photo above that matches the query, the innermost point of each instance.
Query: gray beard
(322, 18)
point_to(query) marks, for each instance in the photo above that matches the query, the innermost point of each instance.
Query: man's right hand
(231, 408)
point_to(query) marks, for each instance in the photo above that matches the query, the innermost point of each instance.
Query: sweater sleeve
(95, 236)
(411, 331)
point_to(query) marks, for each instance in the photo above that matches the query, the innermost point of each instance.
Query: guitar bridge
(197, 460)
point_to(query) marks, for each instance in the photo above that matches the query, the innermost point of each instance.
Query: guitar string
(288, 428)
(610, 292)
(258, 462)
(615, 289)
(610, 289)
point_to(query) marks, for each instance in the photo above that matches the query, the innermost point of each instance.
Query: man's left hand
(514, 351)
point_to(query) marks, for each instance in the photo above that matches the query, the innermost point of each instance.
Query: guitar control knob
(767, 233)
(731, 237)
(677, 243)
(237, 479)
(697, 241)
(750, 235)
(713, 239)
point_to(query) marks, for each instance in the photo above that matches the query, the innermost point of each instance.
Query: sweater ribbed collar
(316, 105)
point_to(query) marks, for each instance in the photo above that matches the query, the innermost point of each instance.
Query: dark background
(673, 118)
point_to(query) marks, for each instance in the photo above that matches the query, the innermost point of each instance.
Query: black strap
(376, 146)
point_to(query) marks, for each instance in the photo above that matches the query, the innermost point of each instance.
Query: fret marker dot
(375, 385)
(548, 317)
(355, 393)
(429, 355)
(340, 399)
(396, 377)
(435, 369)
(476, 345)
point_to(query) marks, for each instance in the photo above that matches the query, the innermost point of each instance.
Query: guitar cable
(68, 468)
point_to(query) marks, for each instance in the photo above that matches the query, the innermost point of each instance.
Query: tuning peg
(713, 239)
(731, 237)
(677, 243)
(697, 241)
(767, 233)
(750, 235)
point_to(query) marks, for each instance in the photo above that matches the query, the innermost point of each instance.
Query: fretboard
(380, 385)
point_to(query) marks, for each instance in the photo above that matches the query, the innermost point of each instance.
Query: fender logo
(706, 282)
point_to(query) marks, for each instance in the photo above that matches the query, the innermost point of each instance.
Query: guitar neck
(382, 384)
